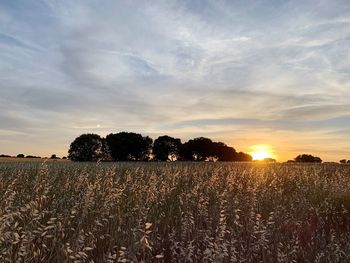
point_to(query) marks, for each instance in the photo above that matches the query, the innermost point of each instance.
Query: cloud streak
(231, 70)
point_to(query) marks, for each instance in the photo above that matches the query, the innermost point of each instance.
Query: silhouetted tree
(21, 155)
(166, 148)
(5, 155)
(88, 147)
(54, 156)
(244, 157)
(204, 149)
(198, 149)
(129, 146)
(307, 158)
(224, 153)
(343, 161)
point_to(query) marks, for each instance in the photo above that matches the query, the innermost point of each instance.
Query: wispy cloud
(229, 69)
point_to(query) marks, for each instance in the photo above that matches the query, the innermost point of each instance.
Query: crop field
(28, 160)
(174, 212)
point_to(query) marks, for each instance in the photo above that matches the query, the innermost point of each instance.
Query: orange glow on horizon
(261, 152)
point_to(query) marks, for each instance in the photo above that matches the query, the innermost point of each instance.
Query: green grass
(174, 212)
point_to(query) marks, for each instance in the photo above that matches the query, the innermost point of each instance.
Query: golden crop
(174, 212)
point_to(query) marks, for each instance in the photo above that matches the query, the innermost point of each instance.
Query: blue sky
(244, 72)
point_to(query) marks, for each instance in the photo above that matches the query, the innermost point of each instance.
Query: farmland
(28, 160)
(174, 212)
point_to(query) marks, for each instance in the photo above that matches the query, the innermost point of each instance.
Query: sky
(262, 72)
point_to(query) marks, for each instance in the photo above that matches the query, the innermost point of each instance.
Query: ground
(174, 212)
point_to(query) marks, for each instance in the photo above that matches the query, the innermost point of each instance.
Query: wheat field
(174, 212)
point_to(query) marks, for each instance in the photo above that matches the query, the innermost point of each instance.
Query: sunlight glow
(260, 152)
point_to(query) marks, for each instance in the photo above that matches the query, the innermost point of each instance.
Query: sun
(260, 152)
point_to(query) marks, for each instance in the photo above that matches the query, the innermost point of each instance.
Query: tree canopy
(129, 146)
(166, 148)
(198, 149)
(307, 158)
(88, 147)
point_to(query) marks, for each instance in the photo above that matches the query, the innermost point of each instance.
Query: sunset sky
(274, 73)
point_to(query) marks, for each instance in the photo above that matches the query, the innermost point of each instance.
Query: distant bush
(5, 155)
(307, 158)
(21, 155)
(32, 156)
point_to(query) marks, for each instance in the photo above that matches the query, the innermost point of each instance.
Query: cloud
(221, 68)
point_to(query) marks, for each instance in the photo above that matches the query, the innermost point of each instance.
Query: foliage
(243, 157)
(204, 149)
(307, 158)
(198, 149)
(88, 147)
(174, 212)
(166, 148)
(129, 146)
(223, 152)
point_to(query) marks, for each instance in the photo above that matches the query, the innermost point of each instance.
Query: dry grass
(29, 160)
(183, 212)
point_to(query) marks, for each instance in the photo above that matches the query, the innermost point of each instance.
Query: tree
(88, 148)
(166, 148)
(21, 155)
(198, 149)
(307, 158)
(54, 156)
(224, 153)
(204, 149)
(343, 161)
(244, 157)
(129, 146)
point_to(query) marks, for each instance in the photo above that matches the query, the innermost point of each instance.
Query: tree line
(306, 158)
(21, 156)
(129, 146)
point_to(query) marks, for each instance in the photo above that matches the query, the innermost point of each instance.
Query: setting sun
(260, 152)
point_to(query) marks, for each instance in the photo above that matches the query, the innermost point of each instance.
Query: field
(28, 160)
(174, 212)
